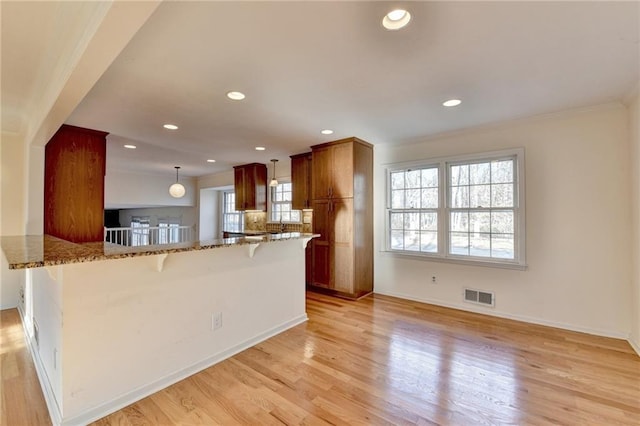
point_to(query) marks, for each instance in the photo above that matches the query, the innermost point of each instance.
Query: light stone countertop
(36, 251)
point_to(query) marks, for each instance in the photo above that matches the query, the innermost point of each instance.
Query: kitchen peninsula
(109, 325)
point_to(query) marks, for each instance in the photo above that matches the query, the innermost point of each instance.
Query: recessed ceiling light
(327, 132)
(396, 19)
(170, 126)
(211, 161)
(236, 96)
(130, 146)
(452, 102)
(260, 148)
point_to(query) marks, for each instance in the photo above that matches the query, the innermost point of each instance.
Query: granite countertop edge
(37, 251)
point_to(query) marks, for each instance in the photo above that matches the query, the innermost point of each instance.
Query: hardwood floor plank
(22, 401)
(383, 360)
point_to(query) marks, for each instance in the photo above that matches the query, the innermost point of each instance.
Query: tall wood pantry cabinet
(342, 201)
(250, 184)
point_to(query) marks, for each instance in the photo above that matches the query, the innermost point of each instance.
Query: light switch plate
(306, 220)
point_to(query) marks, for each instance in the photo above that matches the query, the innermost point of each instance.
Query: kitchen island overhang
(116, 325)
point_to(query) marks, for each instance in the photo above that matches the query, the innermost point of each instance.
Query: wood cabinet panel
(301, 181)
(342, 191)
(320, 173)
(332, 171)
(250, 183)
(75, 161)
(342, 173)
(321, 256)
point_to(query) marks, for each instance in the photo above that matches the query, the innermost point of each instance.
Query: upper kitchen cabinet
(301, 181)
(332, 168)
(250, 181)
(74, 169)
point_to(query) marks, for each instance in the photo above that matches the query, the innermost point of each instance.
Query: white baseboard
(634, 345)
(495, 313)
(128, 398)
(47, 391)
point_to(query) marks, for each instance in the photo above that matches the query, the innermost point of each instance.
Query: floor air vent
(479, 297)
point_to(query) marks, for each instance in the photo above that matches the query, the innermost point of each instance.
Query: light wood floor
(22, 402)
(383, 360)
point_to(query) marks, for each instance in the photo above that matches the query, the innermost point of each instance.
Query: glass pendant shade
(274, 181)
(177, 190)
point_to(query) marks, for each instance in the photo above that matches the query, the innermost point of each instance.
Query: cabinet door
(321, 246)
(239, 180)
(300, 181)
(320, 172)
(342, 170)
(250, 182)
(342, 256)
(258, 197)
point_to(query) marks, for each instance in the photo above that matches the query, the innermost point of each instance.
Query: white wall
(578, 215)
(209, 214)
(46, 299)
(634, 133)
(12, 210)
(216, 180)
(127, 189)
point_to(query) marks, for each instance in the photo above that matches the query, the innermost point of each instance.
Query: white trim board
(522, 318)
(49, 397)
(635, 346)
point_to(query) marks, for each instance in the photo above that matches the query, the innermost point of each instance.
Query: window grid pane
(413, 218)
(482, 209)
(281, 197)
(232, 220)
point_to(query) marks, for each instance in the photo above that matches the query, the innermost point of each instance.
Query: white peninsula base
(105, 334)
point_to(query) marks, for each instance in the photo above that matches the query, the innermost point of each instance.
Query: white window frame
(271, 212)
(140, 233)
(168, 231)
(233, 212)
(519, 260)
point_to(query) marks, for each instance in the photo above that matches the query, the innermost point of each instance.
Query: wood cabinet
(301, 181)
(342, 187)
(301, 198)
(332, 169)
(74, 172)
(250, 182)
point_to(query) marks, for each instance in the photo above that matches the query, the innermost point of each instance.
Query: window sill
(458, 261)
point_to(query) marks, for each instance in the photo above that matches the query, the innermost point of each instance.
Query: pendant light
(177, 189)
(274, 181)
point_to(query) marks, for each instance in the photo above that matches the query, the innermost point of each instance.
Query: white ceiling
(307, 66)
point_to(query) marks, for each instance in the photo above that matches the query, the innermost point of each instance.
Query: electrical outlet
(434, 280)
(216, 321)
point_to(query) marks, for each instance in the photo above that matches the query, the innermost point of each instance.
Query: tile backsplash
(257, 221)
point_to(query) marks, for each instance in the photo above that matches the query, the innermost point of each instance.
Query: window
(168, 230)
(232, 220)
(464, 208)
(139, 231)
(414, 210)
(281, 196)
